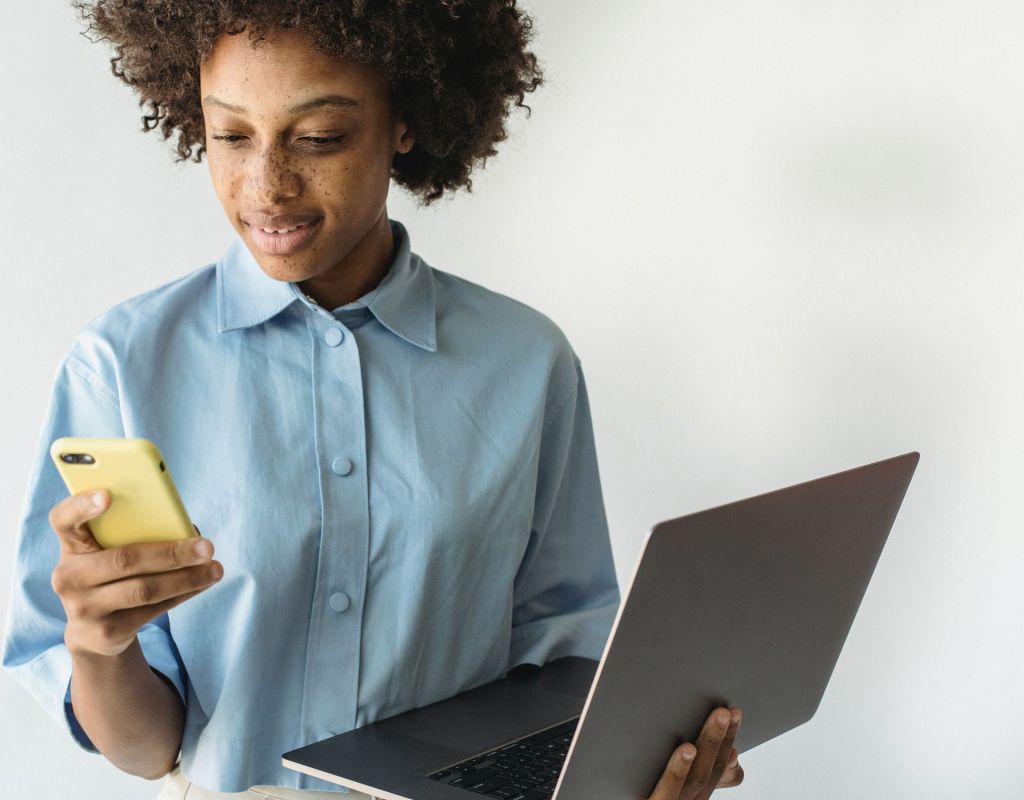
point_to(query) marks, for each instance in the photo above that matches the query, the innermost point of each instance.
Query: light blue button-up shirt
(404, 494)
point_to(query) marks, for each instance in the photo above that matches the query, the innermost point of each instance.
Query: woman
(396, 465)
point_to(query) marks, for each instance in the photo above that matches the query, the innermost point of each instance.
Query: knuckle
(701, 777)
(59, 579)
(143, 592)
(175, 552)
(124, 559)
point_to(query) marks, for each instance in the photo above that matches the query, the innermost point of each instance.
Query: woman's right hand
(109, 594)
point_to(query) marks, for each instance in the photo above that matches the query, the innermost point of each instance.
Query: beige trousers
(178, 787)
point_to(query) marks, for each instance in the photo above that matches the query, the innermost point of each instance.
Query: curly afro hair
(455, 67)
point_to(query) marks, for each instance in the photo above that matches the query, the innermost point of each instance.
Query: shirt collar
(403, 301)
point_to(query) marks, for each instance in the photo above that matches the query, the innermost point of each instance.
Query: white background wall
(784, 239)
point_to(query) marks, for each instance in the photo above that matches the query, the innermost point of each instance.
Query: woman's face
(296, 138)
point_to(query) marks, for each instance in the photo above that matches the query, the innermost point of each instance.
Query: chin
(284, 268)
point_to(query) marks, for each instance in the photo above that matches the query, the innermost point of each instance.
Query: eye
(234, 140)
(322, 141)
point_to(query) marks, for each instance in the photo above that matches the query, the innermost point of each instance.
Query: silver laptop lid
(747, 605)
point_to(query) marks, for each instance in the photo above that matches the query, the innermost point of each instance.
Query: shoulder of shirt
(510, 333)
(104, 341)
(503, 315)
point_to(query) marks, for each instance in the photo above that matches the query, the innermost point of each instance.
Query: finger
(678, 767)
(95, 569)
(733, 775)
(146, 590)
(726, 750)
(712, 735)
(147, 558)
(725, 755)
(134, 618)
(69, 520)
(116, 631)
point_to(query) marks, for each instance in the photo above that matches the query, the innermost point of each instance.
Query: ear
(404, 138)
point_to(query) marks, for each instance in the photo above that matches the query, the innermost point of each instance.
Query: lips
(280, 244)
(276, 222)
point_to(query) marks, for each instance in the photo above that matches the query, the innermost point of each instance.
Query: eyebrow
(337, 100)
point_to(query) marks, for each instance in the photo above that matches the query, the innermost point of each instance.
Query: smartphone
(144, 503)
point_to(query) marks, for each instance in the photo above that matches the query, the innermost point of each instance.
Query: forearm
(131, 715)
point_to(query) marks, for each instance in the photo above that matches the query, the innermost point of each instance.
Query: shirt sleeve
(34, 654)
(565, 594)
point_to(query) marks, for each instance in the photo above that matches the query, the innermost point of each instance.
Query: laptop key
(536, 794)
(479, 775)
(486, 787)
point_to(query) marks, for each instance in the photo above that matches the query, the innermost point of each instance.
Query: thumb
(70, 520)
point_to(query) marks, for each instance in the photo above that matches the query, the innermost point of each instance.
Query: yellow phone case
(144, 503)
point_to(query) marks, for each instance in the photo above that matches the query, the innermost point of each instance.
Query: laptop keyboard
(527, 769)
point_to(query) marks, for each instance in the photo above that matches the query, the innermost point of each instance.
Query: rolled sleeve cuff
(581, 633)
(42, 676)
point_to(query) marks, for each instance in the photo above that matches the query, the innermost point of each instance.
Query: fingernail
(723, 717)
(203, 548)
(216, 571)
(97, 499)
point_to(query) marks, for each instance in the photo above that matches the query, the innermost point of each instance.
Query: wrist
(82, 652)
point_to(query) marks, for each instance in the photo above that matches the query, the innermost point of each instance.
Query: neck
(359, 272)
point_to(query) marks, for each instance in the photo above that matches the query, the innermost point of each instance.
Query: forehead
(285, 64)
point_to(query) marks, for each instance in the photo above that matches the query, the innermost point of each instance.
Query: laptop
(747, 605)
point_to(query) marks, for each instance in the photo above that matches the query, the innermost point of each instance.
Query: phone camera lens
(67, 458)
(87, 459)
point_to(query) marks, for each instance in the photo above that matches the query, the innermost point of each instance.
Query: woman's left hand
(695, 771)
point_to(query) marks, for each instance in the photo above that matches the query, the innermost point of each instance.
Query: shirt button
(334, 336)
(339, 602)
(341, 466)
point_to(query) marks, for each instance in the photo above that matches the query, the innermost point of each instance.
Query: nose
(272, 177)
